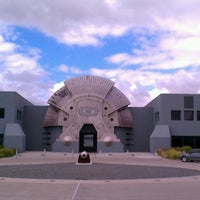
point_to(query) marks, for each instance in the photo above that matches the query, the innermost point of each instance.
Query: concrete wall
(125, 135)
(33, 127)
(53, 133)
(14, 137)
(142, 127)
(160, 138)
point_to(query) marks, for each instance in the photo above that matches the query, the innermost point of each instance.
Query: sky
(147, 47)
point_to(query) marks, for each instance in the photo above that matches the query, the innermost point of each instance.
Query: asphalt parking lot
(35, 175)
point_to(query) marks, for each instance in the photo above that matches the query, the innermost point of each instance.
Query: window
(19, 115)
(175, 115)
(197, 142)
(188, 102)
(2, 112)
(177, 141)
(156, 116)
(1, 139)
(198, 115)
(188, 115)
(189, 141)
(128, 145)
(192, 141)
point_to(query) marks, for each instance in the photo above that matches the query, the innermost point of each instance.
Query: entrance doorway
(88, 138)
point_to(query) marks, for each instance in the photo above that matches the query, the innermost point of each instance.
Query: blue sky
(147, 47)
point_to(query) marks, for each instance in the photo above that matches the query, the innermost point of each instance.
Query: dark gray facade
(33, 126)
(168, 120)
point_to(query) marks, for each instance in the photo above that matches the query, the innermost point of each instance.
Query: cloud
(169, 52)
(57, 86)
(88, 22)
(164, 56)
(142, 86)
(69, 69)
(6, 47)
(22, 72)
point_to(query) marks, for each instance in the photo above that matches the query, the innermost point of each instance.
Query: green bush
(5, 152)
(2, 155)
(187, 149)
(173, 152)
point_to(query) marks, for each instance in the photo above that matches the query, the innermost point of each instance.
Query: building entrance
(88, 138)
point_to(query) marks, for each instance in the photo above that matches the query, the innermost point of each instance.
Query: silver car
(193, 155)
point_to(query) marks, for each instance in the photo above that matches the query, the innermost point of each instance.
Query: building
(90, 113)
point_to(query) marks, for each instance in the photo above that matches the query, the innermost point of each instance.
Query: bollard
(72, 153)
(16, 153)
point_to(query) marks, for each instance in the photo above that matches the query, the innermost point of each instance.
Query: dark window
(189, 141)
(2, 112)
(188, 115)
(129, 139)
(128, 145)
(198, 115)
(157, 116)
(175, 115)
(188, 102)
(192, 141)
(47, 133)
(197, 142)
(19, 115)
(177, 141)
(1, 139)
(46, 143)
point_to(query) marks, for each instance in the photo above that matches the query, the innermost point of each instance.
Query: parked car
(193, 155)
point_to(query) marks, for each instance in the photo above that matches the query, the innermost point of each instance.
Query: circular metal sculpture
(108, 141)
(88, 100)
(67, 140)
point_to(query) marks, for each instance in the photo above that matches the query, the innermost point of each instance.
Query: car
(193, 155)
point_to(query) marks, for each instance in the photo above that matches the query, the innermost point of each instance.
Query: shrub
(2, 155)
(5, 152)
(162, 152)
(173, 153)
(187, 149)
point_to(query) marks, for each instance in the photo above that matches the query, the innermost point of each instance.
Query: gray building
(90, 113)
(176, 120)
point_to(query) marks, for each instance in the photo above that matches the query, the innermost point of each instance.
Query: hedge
(5, 152)
(173, 152)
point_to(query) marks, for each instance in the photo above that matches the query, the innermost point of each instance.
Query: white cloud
(170, 52)
(70, 69)
(167, 32)
(57, 86)
(87, 22)
(6, 46)
(22, 73)
(142, 86)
